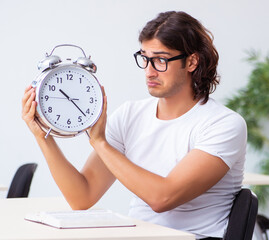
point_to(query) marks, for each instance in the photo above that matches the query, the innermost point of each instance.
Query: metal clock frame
(48, 65)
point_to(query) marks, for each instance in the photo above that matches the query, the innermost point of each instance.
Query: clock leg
(88, 134)
(48, 133)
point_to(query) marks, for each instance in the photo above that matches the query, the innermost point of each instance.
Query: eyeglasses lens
(159, 63)
(141, 61)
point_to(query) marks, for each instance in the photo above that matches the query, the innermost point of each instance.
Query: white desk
(13, 226)
(3, 188)
(255, 179)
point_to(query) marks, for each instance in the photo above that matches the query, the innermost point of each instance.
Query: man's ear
(192, 62)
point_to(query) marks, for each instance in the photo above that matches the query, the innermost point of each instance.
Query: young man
(181, 153)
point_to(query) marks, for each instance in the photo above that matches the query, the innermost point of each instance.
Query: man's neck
(174, 107)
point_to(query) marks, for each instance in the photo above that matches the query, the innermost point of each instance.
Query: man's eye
(144, 58)
(160, 60)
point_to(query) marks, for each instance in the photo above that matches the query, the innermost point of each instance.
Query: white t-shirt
(158, 145)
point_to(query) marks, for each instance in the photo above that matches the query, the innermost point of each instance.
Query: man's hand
(97, 131)
(28, 112)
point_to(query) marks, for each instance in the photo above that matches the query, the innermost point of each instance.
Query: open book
(91, 218)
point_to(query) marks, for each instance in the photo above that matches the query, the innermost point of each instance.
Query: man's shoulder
(215, 111)
(215, 107)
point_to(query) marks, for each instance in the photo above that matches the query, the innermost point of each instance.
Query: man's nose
(150, 71)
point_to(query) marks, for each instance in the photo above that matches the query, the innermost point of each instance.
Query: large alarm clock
(68, 95)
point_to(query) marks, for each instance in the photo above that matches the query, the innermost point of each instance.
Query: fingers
(27, 93)
(103, 90)
(32, 108)
(28, 103)
(28, 112)
(104, 99)
(27, 89)
(104, 110)
(96, 133)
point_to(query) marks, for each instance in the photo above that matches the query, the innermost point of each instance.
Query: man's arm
(197, 172)
(193, 175)
(81, 189)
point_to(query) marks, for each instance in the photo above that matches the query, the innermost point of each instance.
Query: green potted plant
(252, 103)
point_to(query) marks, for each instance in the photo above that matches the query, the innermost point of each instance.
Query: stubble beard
(167, 92)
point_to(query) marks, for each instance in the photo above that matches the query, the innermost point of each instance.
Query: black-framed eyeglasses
(158, 63)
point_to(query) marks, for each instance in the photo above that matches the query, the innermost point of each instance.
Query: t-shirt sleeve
(115, 128)
(225, 138)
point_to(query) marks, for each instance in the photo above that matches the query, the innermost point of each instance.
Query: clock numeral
(88, 111)
(91, 99)
(88, 88)
(52, 88)
(50, 109)
(80, 80)
(59, 80)
(80, 119)
(69, 76)
(58, 117)
(46, 97)
(68, 121)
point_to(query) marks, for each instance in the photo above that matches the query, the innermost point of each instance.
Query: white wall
(107, 30)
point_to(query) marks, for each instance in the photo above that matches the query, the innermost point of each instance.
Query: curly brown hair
(180, 31)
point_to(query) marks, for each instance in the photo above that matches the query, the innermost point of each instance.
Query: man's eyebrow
(158, 52)
(162, 52)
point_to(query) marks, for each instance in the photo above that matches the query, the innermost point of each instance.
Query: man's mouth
(151, 83)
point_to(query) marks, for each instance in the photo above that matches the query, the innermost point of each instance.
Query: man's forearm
(72, 184)
(146, 185)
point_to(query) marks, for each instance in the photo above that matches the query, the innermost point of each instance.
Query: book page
(81, 219)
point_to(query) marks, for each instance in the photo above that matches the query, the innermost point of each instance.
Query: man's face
(173, 80)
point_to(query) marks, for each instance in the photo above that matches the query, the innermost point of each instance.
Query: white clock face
(70, 99)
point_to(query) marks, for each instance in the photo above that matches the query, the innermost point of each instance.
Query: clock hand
(71, 100)
(78, 108)
(62, 92)
(64, 98)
